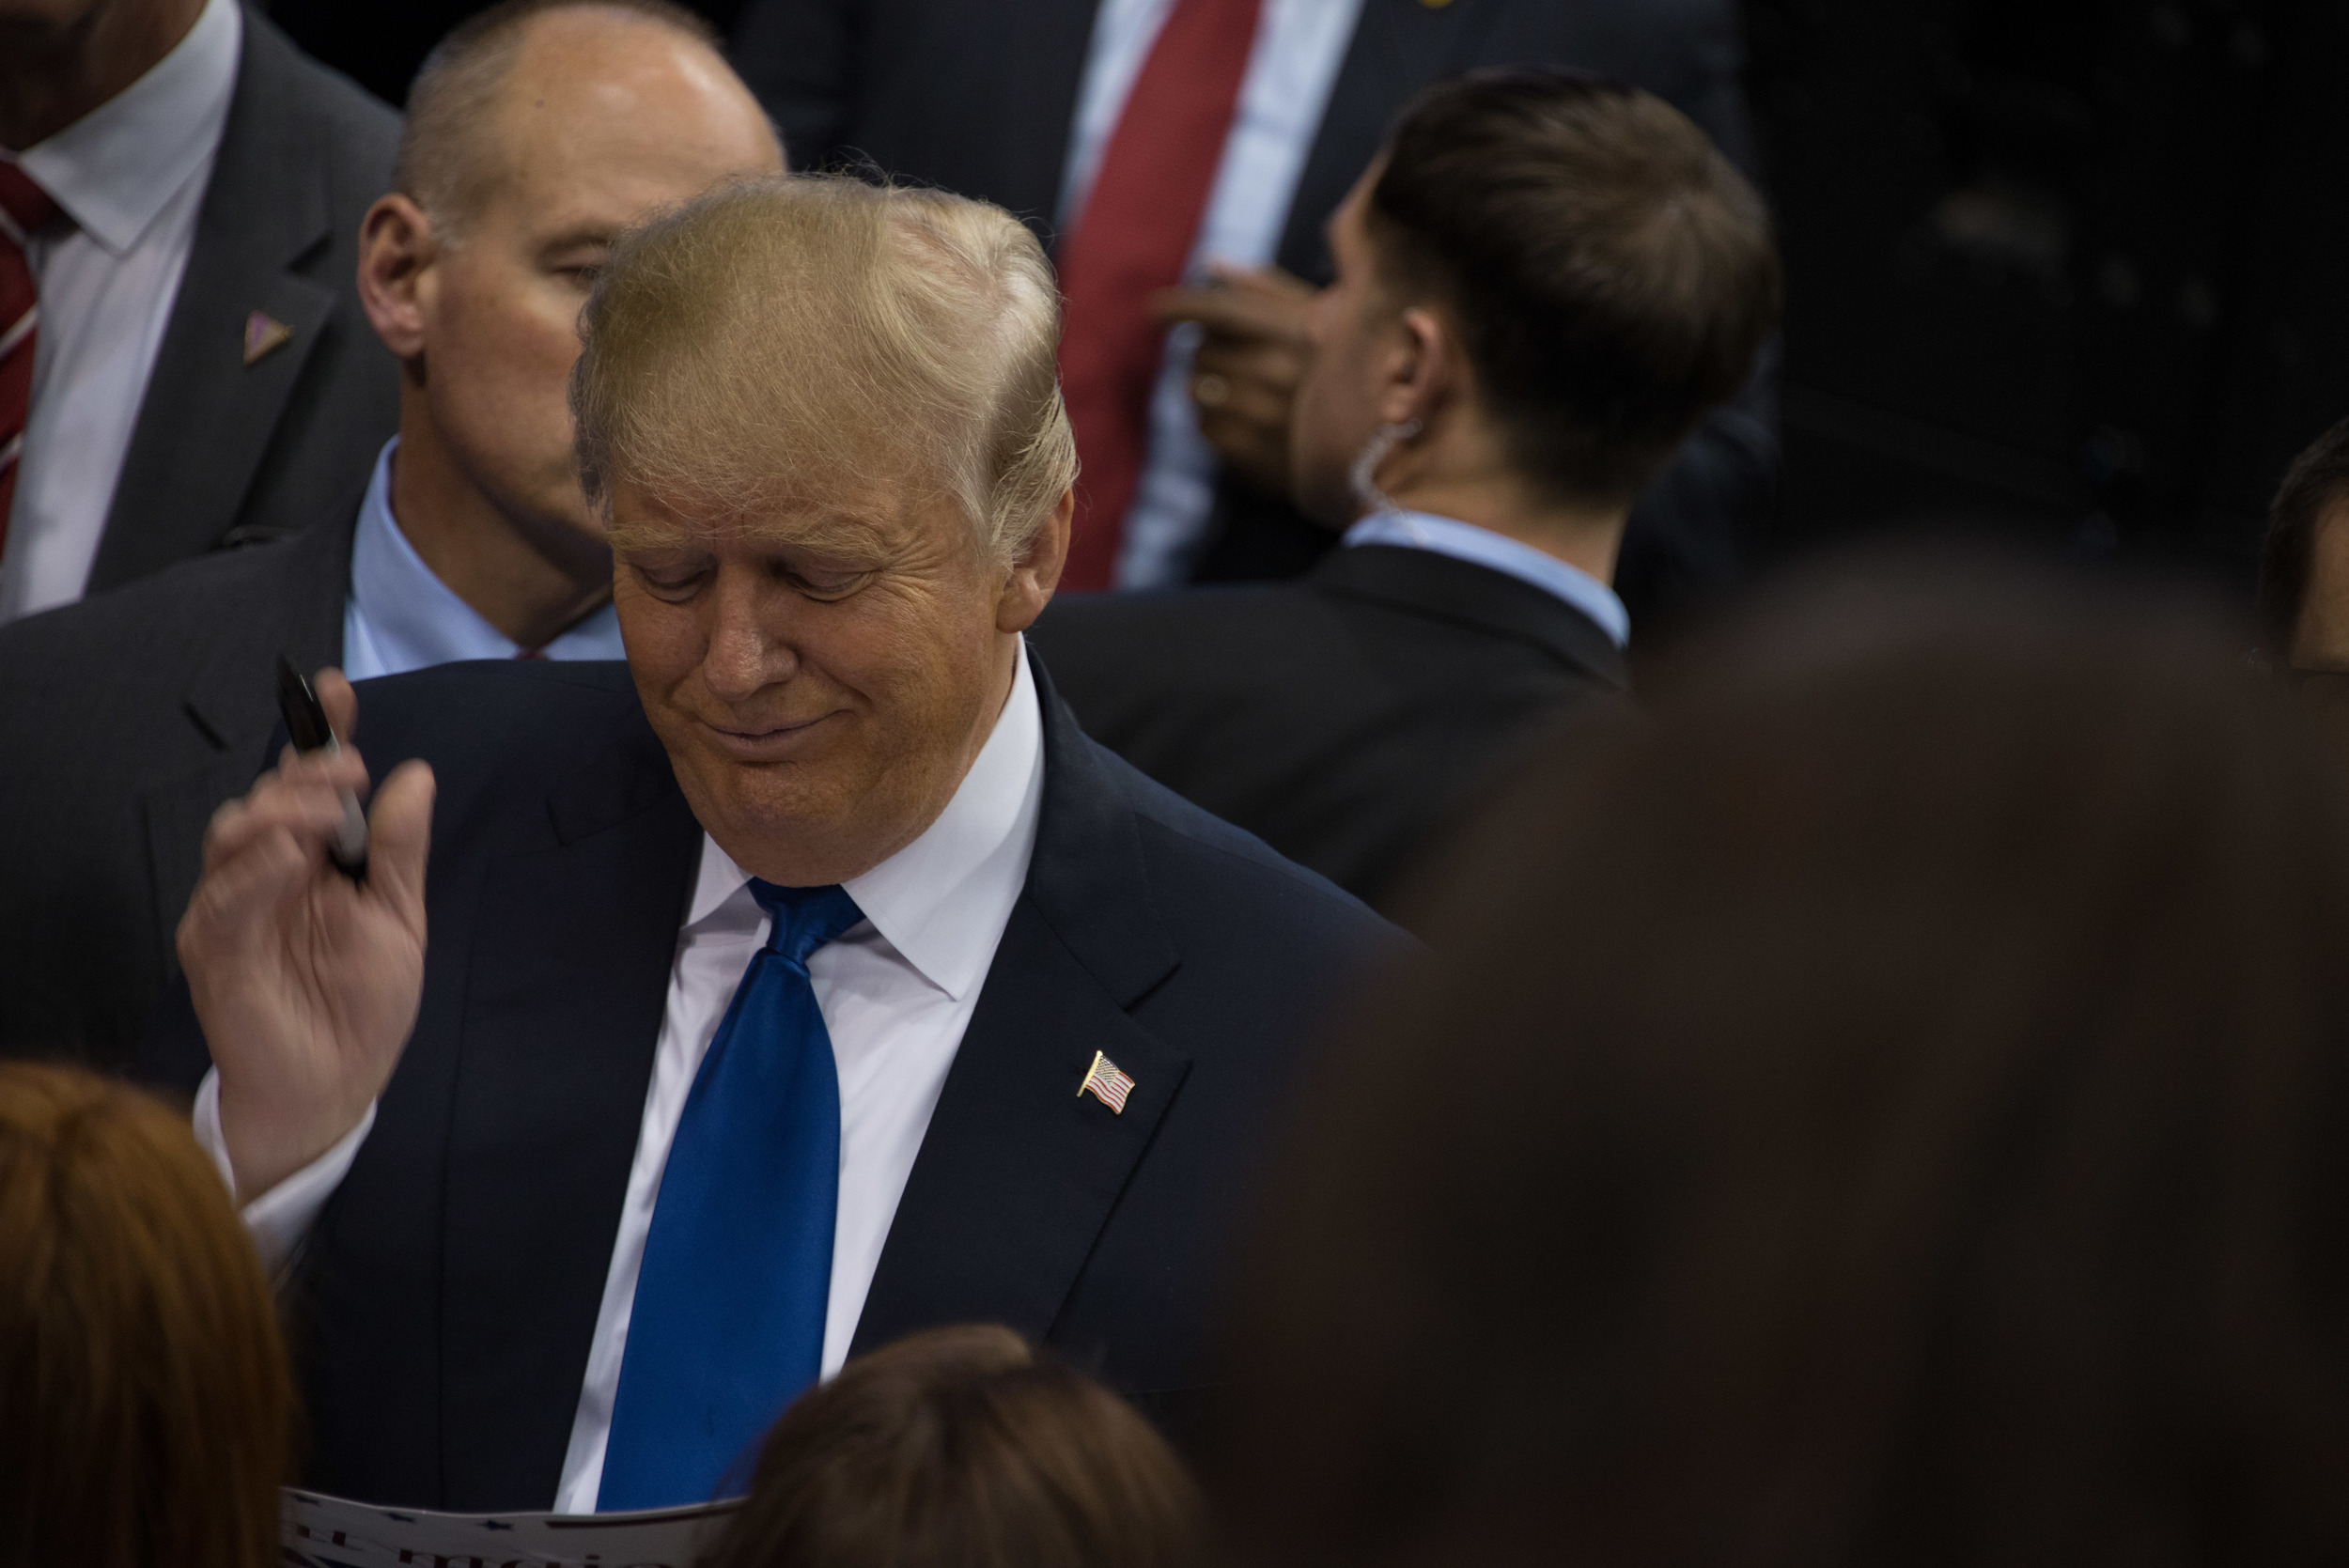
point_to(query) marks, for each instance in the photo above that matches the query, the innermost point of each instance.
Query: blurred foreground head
(1892, 1108)
(961, 1447)
(144, 1397)
(2303, 563)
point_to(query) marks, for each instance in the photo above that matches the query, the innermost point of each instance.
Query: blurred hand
(1249, 366)
(305, 982)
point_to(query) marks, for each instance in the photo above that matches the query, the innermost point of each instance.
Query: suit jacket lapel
(207, 419)
(569, 973)
(1017, 1174)
(231, 700)
(226, 697)
(1399, 46)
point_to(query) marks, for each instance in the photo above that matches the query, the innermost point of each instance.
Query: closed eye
(827, 585)
(819, 577)
(671, 579)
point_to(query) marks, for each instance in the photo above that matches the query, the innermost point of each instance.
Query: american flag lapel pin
(1106, 1083)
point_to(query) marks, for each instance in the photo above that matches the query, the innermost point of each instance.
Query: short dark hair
(964, 1448)
(1889, 1107)
(440, 161)
(1613, 274)
(2318, 478)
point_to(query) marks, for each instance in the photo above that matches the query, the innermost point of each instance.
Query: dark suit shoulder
(526, 718)
(1169, 606)
(1248, 885)
(518, 685)
(1378, 638)
(344, 134)
(1248, 635)
(364, 129)
(1114, 653)
(526, 756)
(185, 606)
(350, 137)
(1165, 613)
(1340, 717)
(124, 719)
(176, 667)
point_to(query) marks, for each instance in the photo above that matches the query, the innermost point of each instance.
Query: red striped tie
(25, 211)
(1135, 234)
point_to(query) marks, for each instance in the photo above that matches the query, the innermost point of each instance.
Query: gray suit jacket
(224, 452)
(125, 720)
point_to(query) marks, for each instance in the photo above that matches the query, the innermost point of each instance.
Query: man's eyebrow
(657, 531)
(824, 532)
(633, 536)
(577, 236)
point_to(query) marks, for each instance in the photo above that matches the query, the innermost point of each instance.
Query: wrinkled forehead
(869, 518)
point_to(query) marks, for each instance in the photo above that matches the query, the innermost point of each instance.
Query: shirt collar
(942, 900)
(1464, 541)
(112, 169)
(413, 619)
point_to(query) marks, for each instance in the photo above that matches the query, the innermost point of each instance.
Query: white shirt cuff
(280, 1218)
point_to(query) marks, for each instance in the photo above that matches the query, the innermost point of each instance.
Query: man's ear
(1422, 370)
(397, 249)
(1037, 573)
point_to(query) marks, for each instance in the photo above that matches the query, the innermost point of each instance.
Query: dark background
(2071, 263)
(2062, 266)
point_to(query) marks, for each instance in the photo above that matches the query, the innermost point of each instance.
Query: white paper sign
(333, 1533)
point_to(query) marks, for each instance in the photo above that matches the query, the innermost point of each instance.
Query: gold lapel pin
(1106, 1083)
(264, 334)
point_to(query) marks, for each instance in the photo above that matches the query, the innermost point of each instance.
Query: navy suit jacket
(447, 1299)
(1350, 718)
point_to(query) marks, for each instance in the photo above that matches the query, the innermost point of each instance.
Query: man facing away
(1543, 282)
(182, 362)
(1206, 143)
(807, 980)
(535, 133)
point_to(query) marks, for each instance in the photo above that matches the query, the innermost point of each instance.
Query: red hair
(146, 1397)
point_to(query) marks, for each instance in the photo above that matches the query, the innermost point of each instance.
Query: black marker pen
(305, 721)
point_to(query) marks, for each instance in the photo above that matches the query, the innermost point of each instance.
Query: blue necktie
(728, 1325)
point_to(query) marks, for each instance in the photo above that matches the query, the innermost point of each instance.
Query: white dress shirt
(401, 617)
(896, 991)
(1464, 541)
(130, 174)
(1300, 45)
